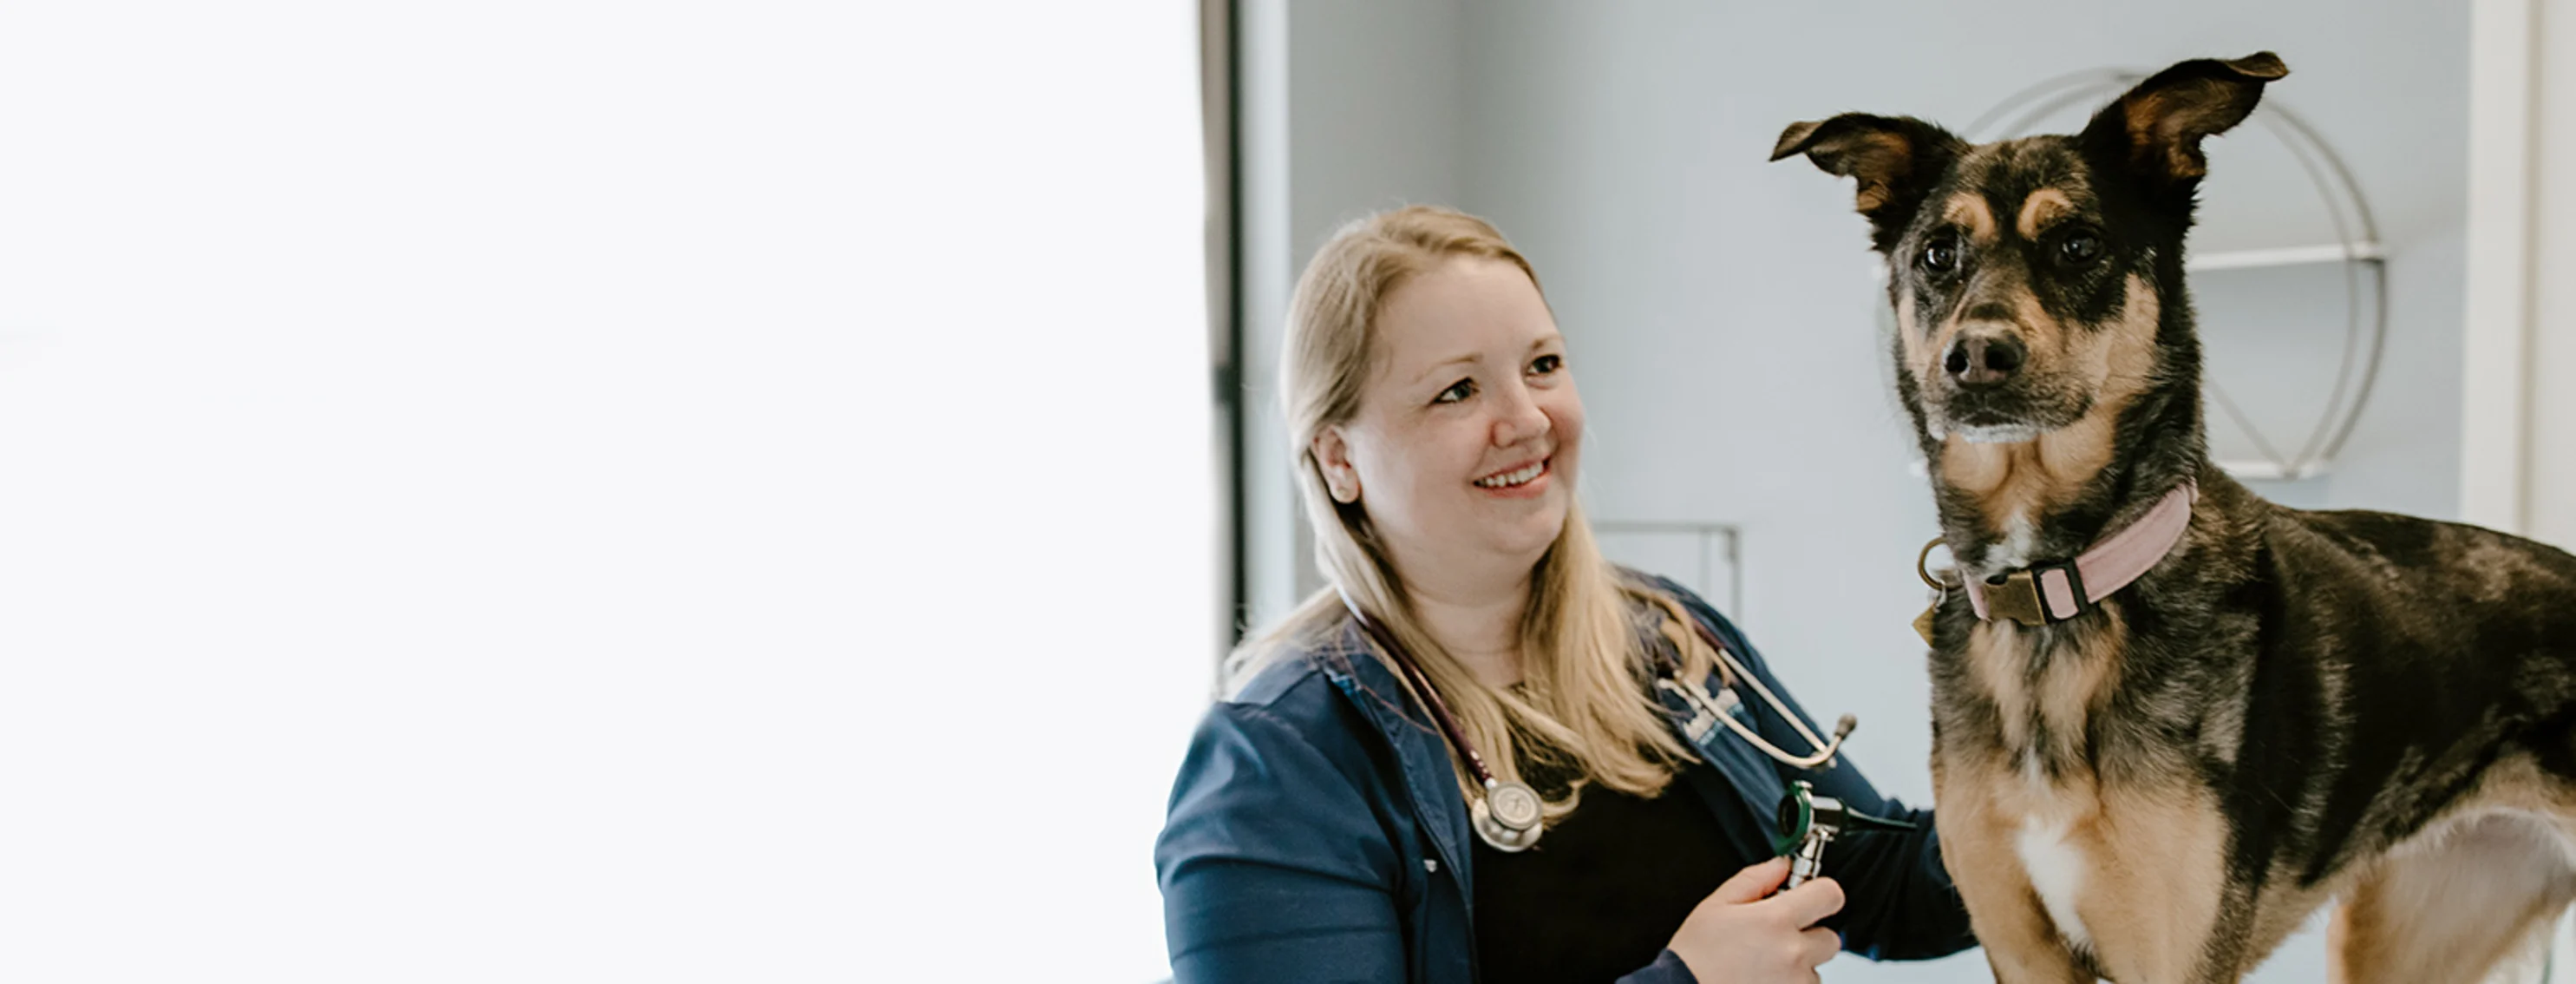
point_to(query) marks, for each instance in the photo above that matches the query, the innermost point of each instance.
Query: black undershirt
(1602, 891)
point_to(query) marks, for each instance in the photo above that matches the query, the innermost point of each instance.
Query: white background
(580, 491)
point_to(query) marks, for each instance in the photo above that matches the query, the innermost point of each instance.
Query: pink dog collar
(2048, 593)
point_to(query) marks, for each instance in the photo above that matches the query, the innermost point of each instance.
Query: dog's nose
(1983, 360)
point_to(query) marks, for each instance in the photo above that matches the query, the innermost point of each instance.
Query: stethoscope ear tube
(1825, 749)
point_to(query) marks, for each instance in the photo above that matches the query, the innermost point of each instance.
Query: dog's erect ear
(1893, 158)
(2157, 127)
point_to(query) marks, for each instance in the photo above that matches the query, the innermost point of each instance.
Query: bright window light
(550, 490)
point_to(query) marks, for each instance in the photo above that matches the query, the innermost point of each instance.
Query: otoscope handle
(1809, 859)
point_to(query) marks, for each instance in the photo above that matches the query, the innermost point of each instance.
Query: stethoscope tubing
(1691, 692)
(1824, 750)
(1421, 683)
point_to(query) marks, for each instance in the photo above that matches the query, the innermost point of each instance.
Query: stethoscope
(1507, 815)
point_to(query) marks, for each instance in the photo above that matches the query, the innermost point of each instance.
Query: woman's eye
(2079, 249)
(1546, 364)
(1457, 391)
(1941, 257)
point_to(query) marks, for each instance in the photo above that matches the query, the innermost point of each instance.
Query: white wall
(2518, 429)
(1718, 306)
(1352, 107)
(2552, 449)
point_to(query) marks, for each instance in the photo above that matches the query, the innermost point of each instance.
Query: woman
(1324, 828)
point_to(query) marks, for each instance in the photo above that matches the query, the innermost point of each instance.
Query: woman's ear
(1333, 455)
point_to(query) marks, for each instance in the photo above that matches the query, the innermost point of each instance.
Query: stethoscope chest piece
(1507, 816)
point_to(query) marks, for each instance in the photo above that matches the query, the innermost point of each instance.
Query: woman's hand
(1736, 936)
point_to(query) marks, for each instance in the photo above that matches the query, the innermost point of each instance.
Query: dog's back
(2457, 642)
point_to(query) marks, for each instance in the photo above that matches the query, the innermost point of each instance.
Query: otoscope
(1808, 822)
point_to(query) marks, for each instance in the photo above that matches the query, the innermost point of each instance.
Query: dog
(2157, 780)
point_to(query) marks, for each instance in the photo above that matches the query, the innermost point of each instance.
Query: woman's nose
(1520, 417)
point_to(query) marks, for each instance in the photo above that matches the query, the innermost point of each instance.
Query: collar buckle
(2033, 597)
(2014, 596)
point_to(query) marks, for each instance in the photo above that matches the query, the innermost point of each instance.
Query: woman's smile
(1527, 480)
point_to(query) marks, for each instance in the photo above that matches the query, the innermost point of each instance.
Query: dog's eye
(2079, 249)
(1941, 257)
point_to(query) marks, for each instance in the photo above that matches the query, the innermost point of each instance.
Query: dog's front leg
(2022, 943)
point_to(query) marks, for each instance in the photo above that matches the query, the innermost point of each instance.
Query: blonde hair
(1582, 707)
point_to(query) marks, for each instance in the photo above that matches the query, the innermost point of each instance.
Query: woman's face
(1463, 450)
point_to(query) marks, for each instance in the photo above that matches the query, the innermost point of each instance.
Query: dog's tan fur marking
(1922, 350)
(1968, 210)
(2167, 121)
(1875, 158)
(2040, 328)
(1976, 832)
(2466, 893)
(2058, 695)
(2022, 480)
(2041, 208)
(2027, 479)
(2002, 665)
(2155, 889)
(2121, 361)
(2076, 682)
(2154, 841)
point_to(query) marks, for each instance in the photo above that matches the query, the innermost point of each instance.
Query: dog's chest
(2055, 859)
(2053, 827)
(2042, 687)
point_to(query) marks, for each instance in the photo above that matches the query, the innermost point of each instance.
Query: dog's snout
(1984, 359)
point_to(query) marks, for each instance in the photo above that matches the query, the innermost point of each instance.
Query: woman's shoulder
(1275, 696)
(1289, 754)
(1302, 694)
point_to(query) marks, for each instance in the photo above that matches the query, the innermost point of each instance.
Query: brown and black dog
(2290, 707)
